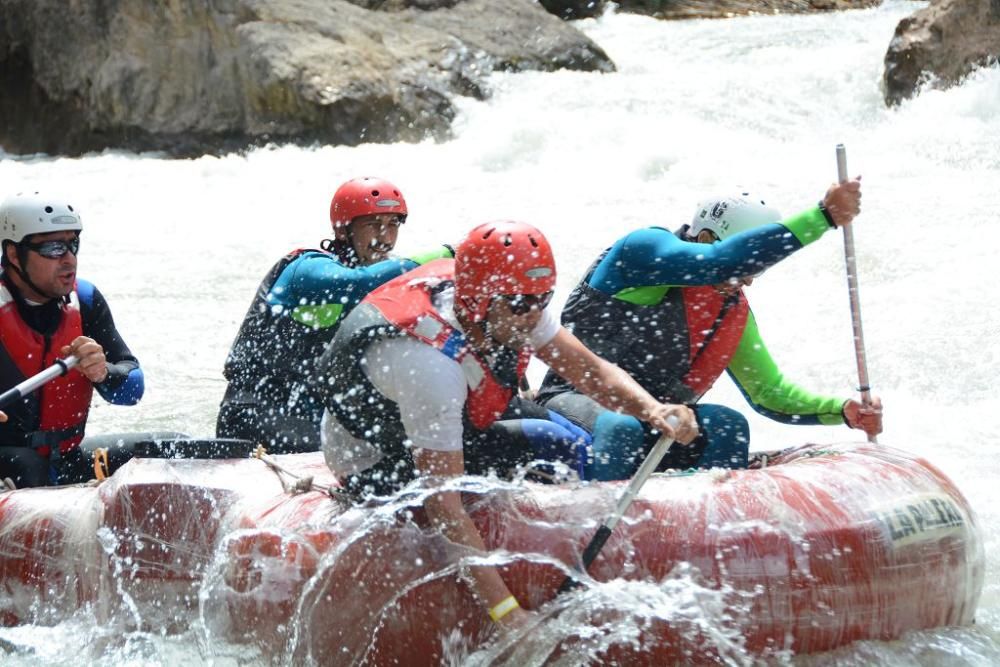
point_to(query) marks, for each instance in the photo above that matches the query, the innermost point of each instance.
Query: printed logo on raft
(920, 518)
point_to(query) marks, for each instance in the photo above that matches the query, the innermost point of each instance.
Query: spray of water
(697, 107)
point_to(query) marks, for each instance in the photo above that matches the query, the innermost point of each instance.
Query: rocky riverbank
(190, 76)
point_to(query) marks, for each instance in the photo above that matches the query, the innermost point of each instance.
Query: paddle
(653, 459)
(60, 367)
(852, 290)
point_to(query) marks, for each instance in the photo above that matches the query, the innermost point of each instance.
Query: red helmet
(365, 196)
(499, 258)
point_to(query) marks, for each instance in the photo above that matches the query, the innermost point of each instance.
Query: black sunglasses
(522, 304)
(54, 249)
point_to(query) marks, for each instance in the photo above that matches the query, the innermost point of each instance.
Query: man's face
(53, 277)
(374, 236)
(511, 318)
(733, 285)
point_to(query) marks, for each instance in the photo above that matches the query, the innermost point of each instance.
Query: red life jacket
(63, 402)
(406, 304)
(703, 306)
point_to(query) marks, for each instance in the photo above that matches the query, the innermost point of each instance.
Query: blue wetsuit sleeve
(125, 383)
(656, 256)
(317, 279)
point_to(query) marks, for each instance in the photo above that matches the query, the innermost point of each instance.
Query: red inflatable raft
(825, 546)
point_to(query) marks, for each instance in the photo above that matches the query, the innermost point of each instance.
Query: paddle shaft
(853, 292)
(60, 367)
(653, 459)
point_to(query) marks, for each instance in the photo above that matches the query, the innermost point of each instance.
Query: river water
(696, 107)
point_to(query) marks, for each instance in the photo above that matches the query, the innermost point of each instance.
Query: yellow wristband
(507, 605)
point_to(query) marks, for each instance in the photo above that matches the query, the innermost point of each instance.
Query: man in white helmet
(46, 312)
(669, 309)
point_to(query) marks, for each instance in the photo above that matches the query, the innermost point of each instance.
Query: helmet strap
(22, 258)
(477, 332)
(490, 343)
(482, 341)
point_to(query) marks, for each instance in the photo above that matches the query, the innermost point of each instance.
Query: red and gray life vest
(715, 326)
(54, 416)
(404, 307)
(676, 349)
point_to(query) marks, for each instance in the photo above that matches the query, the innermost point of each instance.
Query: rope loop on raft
(298, 483)
(547, 472)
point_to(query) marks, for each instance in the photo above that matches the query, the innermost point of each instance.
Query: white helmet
(725, 216)
(28, 213)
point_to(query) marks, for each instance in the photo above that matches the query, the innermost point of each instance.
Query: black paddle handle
(589, 554)
(650, 464)
(9, 396)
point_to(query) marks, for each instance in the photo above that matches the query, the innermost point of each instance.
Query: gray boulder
(195, 76)
(943, 43)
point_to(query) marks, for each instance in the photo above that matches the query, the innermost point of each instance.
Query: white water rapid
(697, 107)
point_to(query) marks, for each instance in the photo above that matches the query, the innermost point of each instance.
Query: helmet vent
(48, 209)
(374, 193)
(534, 243)
(70, 207)
(507, 241)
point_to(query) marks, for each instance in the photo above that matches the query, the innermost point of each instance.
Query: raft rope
(521, 474)
(101, 469)
(300, 484)
(759, 460)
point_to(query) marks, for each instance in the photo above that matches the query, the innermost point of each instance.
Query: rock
(942, 43)
(517, 39)
(691, 9)
(195, 76)
(574, 9)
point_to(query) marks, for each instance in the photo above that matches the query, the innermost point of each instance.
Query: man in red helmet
(296, 311)
(421, 373)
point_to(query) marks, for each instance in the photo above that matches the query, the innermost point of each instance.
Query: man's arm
(445, 509)
(318, 278)
(316, 289)
(770, 393)
(123, 383)
(612, 387)
(655, 256)
(430, 391)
